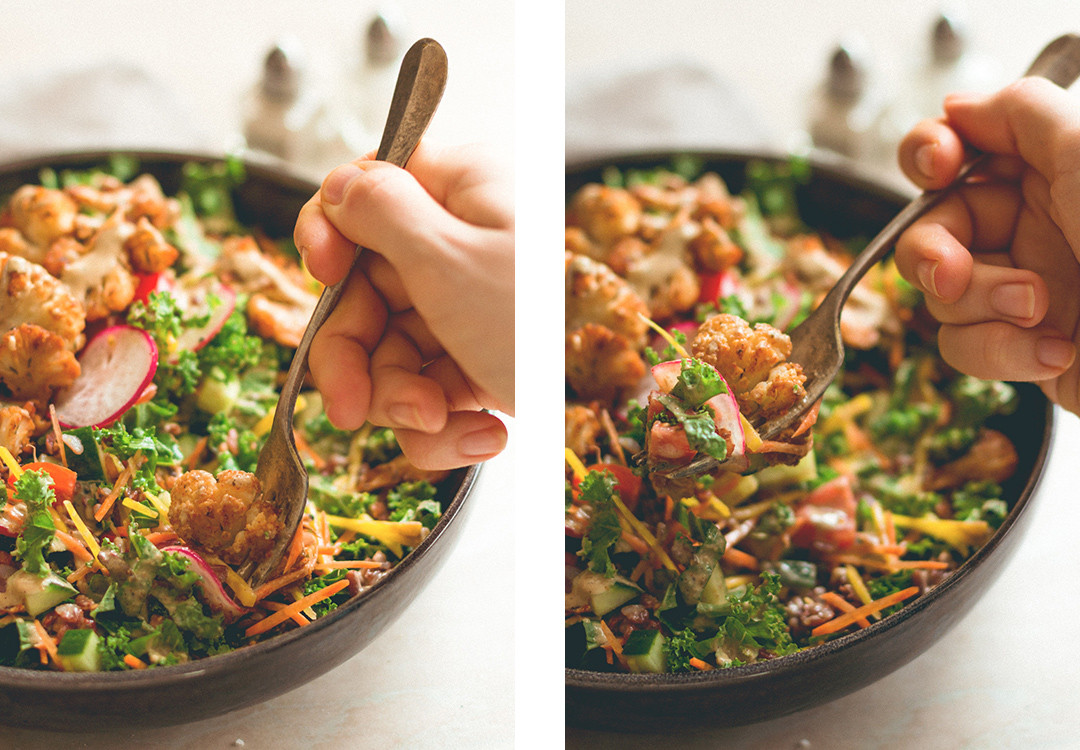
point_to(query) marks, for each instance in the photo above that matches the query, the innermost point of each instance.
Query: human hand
(422, 339)
(999, 262)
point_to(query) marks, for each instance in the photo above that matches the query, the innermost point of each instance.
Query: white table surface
(1005, 676)
(428, 680)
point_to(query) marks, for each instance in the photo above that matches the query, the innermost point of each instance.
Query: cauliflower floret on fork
(41, 328)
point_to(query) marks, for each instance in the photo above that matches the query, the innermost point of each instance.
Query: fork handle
(419, 88)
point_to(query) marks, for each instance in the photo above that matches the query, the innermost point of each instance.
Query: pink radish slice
(667, 374)
(196, 301)
(212, 587)
(726, 410)
(117, 366)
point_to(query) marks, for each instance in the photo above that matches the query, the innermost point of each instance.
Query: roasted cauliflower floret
(753, 361)
(148, 250)
(600, 362)
(101, 277)
(226, 516)
(582, 430)
(280, 304)
(42, 214)
(13, 243)
(595, 294)
(605, 213)
(16, 428)
(41, 328)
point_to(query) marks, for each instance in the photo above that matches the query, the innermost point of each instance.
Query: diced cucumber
(216, 396)
(89, 465)
(644, 651)
(616, 593)
(50, 591)
(780, 475)
(715, 590)
(78, 651)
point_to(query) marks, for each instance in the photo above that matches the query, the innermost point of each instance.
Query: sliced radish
(195, 300)
(667, 374)
(726, 411)
(212, 587)
(117, 366)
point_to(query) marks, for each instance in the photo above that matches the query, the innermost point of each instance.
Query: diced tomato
(150, 282)
(825, 519)
(667, 442)
(63, 478)
(715, 286)
(627, 483)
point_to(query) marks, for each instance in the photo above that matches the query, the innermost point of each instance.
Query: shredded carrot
(741, 559)
(697, 663)
(335, 564)
(47, 643)
(669, 507)
(808, 420)
(134, 662)
(298, 617)
(107, 503)
(772, 446)
(296, 546)
(284, 614)
(58, 434)
(74, 546)
(307, 451)
(271, 586)
(890, 565)
(644, 533)
(842, 604)
(636, 543)
(80, 573)
(196, 453)
(160, 537)
(838, 623)
(890, 528)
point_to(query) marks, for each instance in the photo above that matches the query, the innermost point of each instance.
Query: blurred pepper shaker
(845, 116)
(951, 67)
(277, 108)
(375, 77)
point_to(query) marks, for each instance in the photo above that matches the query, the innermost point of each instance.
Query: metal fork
(282, 476)
(816, 343)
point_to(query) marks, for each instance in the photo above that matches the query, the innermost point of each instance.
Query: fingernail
(960, 98)
(926, 271)
(1016, 300)
(924, 159)
(335, 184)
(406, 415)
(1055, 353)
(480, 443)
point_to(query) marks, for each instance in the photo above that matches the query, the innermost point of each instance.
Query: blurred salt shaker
(375, 76)
(278, 107)
(952, 66)
(286, 117)
(846, 111)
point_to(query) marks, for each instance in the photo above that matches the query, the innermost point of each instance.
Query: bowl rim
(585, 681)
(35, 679)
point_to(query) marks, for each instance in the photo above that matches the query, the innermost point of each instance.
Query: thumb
(382, 207)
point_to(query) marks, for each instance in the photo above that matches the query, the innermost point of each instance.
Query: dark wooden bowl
(270, 199)
(845, 205)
